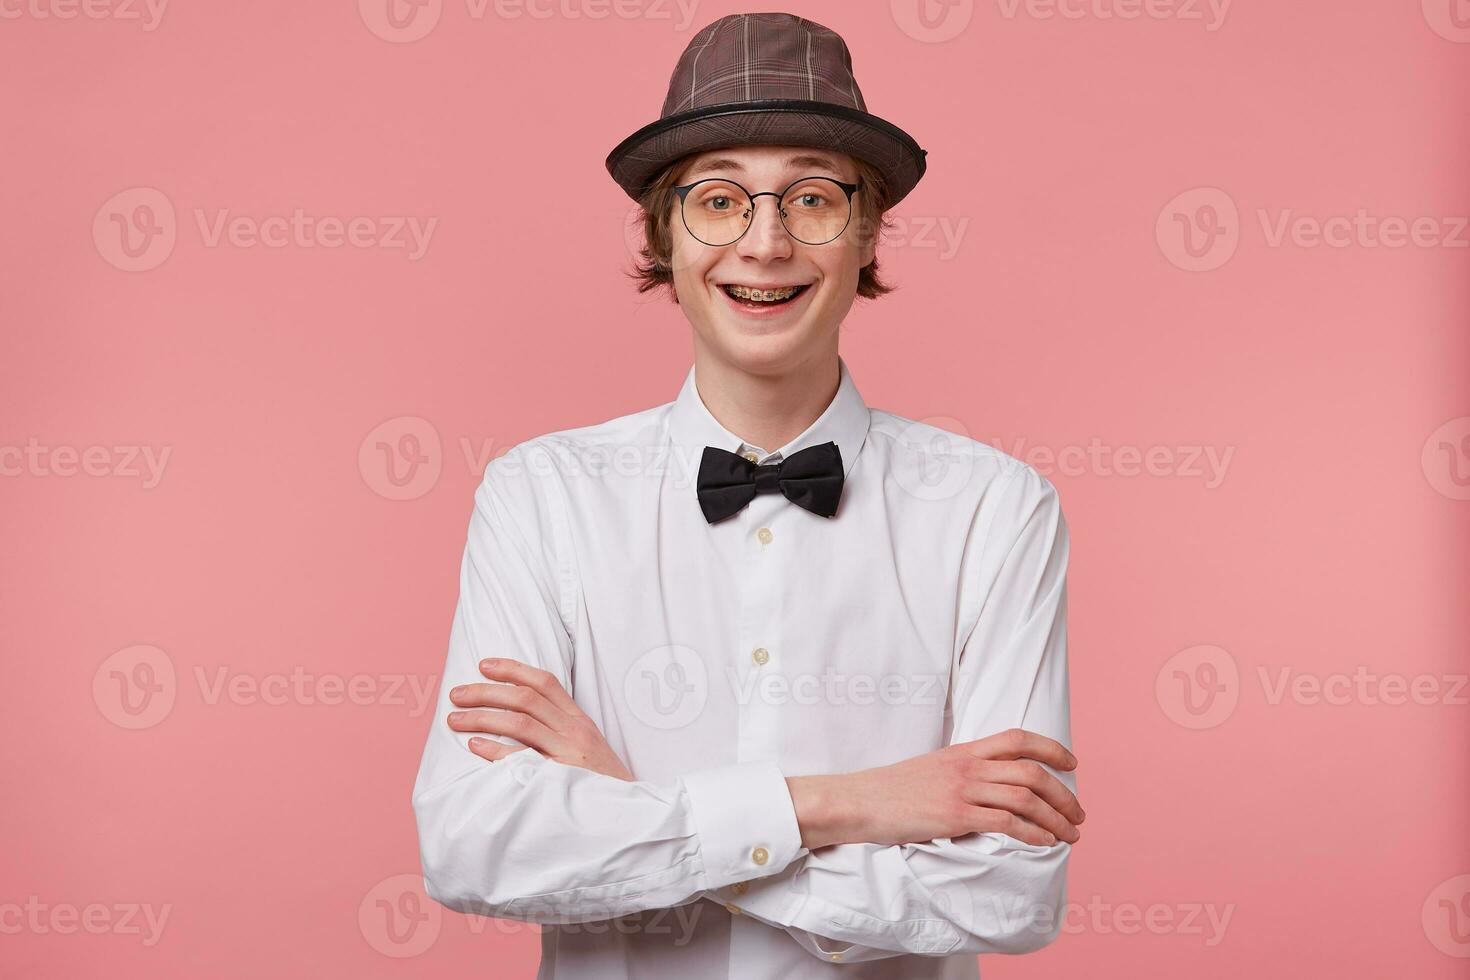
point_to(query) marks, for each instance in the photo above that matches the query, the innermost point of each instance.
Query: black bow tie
(810, 478)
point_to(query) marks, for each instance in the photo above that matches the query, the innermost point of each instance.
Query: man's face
(768, 337)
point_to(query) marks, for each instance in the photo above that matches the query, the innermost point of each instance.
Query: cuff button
(760, 855)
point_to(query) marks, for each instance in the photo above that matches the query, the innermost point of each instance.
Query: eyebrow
(800, 160)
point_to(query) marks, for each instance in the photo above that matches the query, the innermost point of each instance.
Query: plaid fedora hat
(772, 79)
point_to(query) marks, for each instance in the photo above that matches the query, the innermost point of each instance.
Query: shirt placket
(765, 556)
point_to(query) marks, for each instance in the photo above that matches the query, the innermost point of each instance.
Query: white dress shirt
(718, 659)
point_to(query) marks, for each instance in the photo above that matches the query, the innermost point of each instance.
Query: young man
(735, 686)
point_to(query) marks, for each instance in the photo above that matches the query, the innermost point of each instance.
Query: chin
(772, 353)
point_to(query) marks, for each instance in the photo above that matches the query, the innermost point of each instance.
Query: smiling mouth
(763, 298)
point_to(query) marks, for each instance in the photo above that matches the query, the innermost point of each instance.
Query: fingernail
(456, 716)
(489, 664)
(1050, 839)
(475, 743)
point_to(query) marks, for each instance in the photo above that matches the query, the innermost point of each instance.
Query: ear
(867, 244)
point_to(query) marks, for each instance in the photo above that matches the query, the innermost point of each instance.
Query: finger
(511, 697)
(543, 682)
(512, 724)
(992, 821)
(1017, 743)
(488, 748)
(1022, 802)
(1034, 777)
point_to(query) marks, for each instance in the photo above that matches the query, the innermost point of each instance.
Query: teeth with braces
(763, 295)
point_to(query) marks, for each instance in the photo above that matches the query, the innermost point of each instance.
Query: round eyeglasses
(814, 210)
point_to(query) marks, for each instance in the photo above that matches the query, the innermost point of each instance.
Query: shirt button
(751, 456)
(760, 855)
(732, 909)
(739, 887)
(760, 655)
(835, 957)
(765, 535)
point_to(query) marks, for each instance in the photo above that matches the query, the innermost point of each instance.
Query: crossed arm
(959, 850)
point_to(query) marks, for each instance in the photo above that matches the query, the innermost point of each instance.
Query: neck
(766, 410)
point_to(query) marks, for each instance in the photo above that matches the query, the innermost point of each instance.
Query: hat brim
(637, 160)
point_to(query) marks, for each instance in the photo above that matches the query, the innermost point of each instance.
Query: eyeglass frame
(848, 189)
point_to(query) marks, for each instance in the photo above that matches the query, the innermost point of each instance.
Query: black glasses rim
(849, 189)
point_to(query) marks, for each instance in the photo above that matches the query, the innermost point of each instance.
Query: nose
(766, 238)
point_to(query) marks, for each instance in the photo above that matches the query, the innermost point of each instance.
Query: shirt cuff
(745, 820)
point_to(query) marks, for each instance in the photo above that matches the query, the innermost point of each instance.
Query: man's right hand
(990, 785)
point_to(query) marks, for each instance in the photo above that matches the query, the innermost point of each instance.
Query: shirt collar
(844, 421)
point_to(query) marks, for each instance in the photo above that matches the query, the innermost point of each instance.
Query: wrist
(825, 812)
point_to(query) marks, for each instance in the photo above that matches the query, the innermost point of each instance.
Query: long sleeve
(532, 839)
(980, 893)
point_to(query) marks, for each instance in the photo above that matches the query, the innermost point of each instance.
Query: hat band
(766, 105)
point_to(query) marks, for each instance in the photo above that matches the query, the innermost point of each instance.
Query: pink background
(1067, 156)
